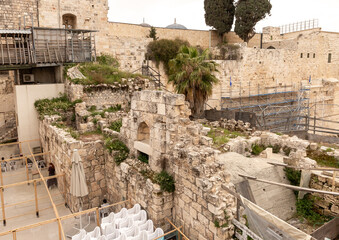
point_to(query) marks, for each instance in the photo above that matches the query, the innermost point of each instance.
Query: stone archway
(271, 47)
(69, 21)
(143, 133)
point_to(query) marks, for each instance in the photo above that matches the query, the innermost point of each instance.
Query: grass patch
(293, 176)
(94, 112)
(322, 158)
(62, 125)
(275, 148)
(99, 73)
(55, 106)
(116, 125)
(287, 150)
(221, 136)
(120, 149)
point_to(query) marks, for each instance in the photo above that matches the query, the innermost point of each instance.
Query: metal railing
(299, 26)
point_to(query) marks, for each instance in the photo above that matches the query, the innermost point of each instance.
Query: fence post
(3, 206)
(36, 199)
(97, 216)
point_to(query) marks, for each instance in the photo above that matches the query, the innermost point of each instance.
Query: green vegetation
(165, 181)
(322, 158)
(104, 71)
(257, 149)
(164, 50)
(116, 125)
(153, 34)
(193, 76)
(55, 106)
(95, 112)
(225, 220)
(248, 13)
(306, 209)
(120, 149)
(275, 148)
(108, 60)
(294, 177)
(287, 150)
(219, 14)
(221, 136)
(62, 125)
(143, 157)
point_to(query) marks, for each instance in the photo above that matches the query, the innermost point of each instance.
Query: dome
(143, 24)
(175, 25)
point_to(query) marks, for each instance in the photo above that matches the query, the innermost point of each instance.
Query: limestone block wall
(104, 95)
(7, 107)
(11, 11)
(127, 182)
(90, 14)
(61, 146)
(326, 204)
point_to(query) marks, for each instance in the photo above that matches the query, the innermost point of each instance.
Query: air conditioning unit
(28, 78)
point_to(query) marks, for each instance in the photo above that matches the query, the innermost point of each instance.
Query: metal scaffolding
(280, 108)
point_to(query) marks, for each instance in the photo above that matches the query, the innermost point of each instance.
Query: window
(143, 133)
(308, 55)
(69, 21)
(313, 55)
(301, 55)
(329, 57)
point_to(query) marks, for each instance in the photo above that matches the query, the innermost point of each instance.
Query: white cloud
(190, 13)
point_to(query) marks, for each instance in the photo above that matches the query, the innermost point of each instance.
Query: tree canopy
(193, 76)
(220, 14)
(248, 13)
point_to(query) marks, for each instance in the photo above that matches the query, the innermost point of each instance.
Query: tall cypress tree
(220, 14)
(247, 14)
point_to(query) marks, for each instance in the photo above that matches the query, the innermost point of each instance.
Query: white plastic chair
(147, 226)
(122, 237)
(113, 235)
(109, 229)
(125, 224)
(80, 235)
(142, 236)
(107, 220)
(157, 233)
(134, 210)
(95, 233)
(120, 216)
(140, 218)
(132, 232)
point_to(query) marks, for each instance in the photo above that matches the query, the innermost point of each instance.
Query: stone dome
(175, 25)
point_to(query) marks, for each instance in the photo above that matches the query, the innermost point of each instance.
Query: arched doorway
(69, 21)
(271, 47)
(143, 133)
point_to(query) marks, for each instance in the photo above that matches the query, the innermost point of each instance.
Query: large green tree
(192, 75)
(247, 14)
(220, 14)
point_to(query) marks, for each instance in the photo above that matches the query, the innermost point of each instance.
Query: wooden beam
(3, 206)
(36, 200)
(31, 181)
(177, 229)
(14, 143)
(26, 156)
(61, 230)
(97, 216)
(300, 168)
(311, 190)
(27, 171)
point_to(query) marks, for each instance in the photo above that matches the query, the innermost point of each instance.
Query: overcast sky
(190, 13)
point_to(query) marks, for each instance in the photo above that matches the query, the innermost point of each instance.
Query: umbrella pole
(80, 211)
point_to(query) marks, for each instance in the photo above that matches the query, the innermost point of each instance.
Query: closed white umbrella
(78, 180)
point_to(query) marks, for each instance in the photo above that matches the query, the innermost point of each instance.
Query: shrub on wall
(116, 125)
(164, 50)
(165, 181)
(109, 60)
(120, 149)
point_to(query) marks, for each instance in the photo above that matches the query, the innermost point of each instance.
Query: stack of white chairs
(128, 224)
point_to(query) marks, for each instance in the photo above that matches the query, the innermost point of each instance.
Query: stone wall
(181, 147)
(326, 204)
(61, 145)
(12, 13)
(7, 107)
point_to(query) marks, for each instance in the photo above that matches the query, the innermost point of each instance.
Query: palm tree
(192, 76)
